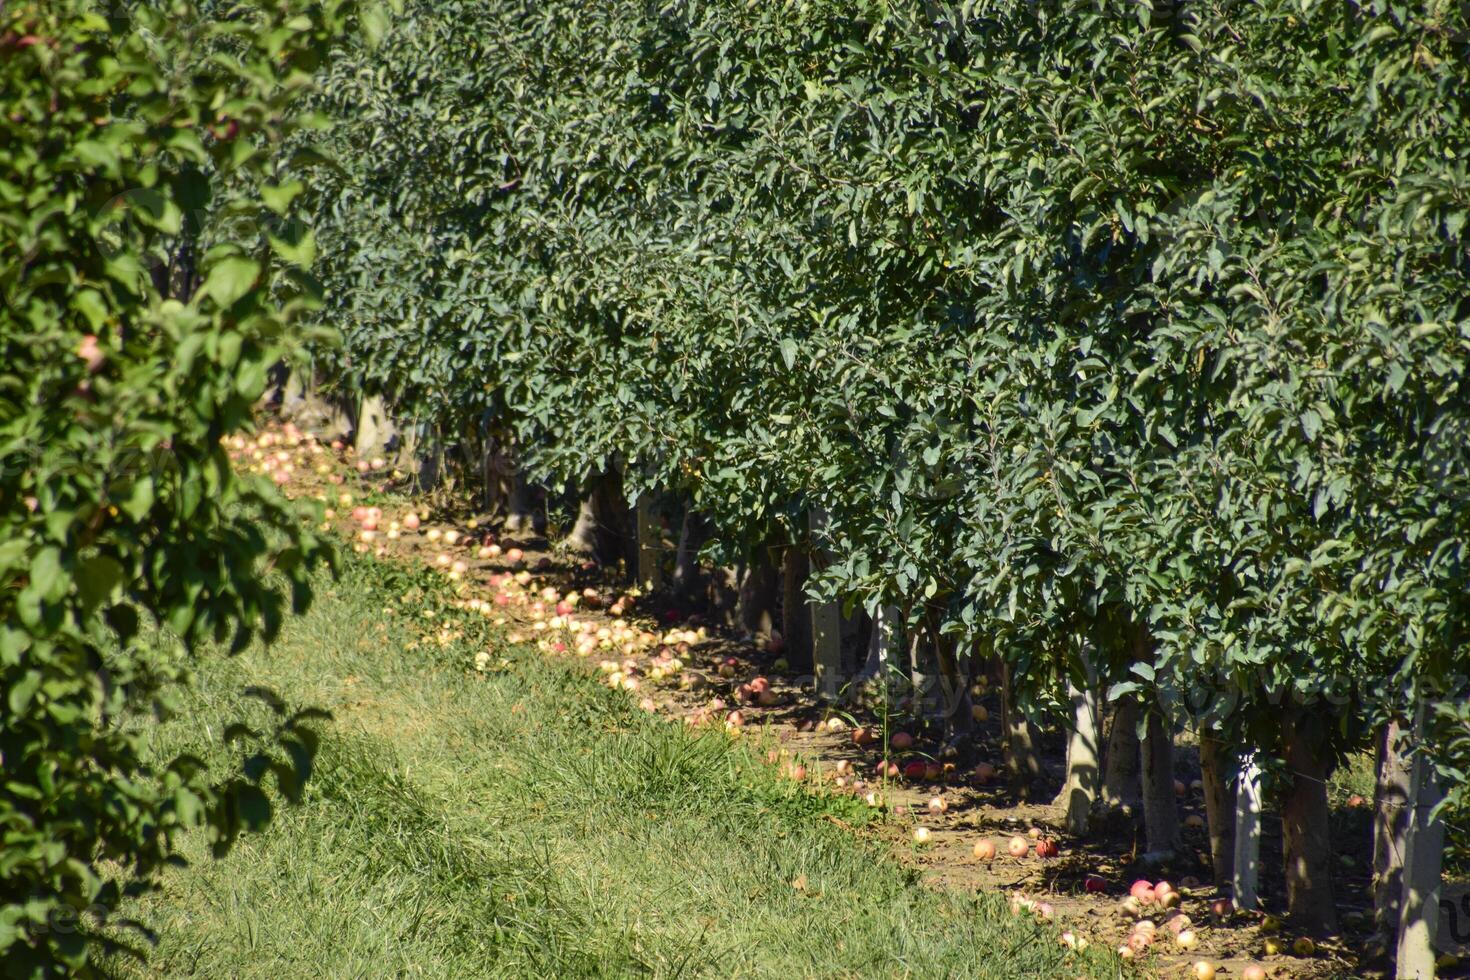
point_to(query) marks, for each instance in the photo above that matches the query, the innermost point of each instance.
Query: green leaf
(98, 577)
(229, 279)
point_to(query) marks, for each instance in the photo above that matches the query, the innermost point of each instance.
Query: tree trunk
(1084, 751)
(956, 708)
(601, 531)
(375, 430)
(341, 416)
(1390, 825)
(650, 545)
(1160, 805)
(758, 589)
(1423, 865)
(882, 642)
(686, 556)
(1023, 763)
(826, 624)
(1304, 826)
(1121, 778)
(1217, 762)
(922, 673)
(1247, 835)
(796, 620)
(521, 511)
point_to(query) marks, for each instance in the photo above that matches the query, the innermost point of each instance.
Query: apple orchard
(1071, 397)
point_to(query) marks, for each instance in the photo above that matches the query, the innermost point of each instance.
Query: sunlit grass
(530, 822)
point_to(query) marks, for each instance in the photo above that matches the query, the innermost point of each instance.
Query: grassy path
(530, 822)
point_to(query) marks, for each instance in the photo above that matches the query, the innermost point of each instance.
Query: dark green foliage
(1076, 317)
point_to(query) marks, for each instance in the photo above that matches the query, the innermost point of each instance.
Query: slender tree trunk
(796, 620)
(1304, 826)
(1084, 751)
(686, 555)
(826, 621)
(341, 416)
(650, 545)
(1247, 834)
(1121, 779)
(521, 510)
(601, 531)
(1023, 763)
(1217, 764)
(759, 584)
(1390, 825)
(922, 673)
(956, 707)
(1160, 805)
(1423, 865)
(375, 430)
(882, 643)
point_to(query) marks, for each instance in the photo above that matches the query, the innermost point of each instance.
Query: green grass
(529, 822)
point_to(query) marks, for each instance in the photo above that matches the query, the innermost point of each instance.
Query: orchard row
(1118, 348)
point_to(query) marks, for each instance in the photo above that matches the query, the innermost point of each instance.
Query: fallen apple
(1019, 847)
(985, 849)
